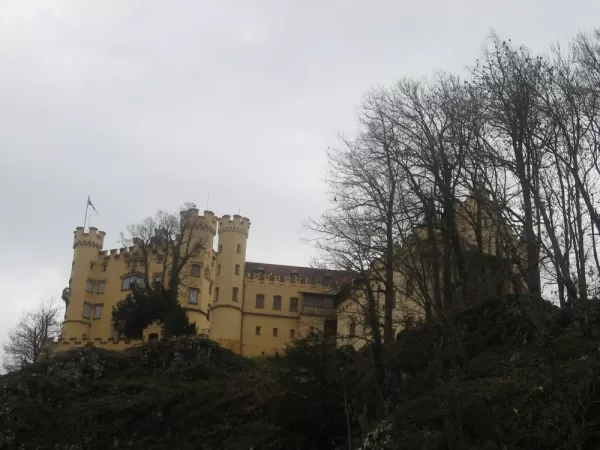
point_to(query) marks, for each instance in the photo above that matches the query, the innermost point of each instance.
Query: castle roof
(302, 272)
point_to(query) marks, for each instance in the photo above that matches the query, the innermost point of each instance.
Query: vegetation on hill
(481, 381)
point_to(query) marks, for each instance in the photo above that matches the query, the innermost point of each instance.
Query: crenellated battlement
(207, 221)
(92, 238)
(117, 252)
(269, 278)
(235, 224)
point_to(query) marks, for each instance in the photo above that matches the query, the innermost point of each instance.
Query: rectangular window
(239, 248)
(294, 304)
(352, 329)
(292, 334)
(92, 265)
(277, 302)
(237, 269)
(103, 267)
(131, 282)
(275, 332)
(257, 332)
(196, 270)
(234, 294)
(218, 269)
(410, 287)
(86, 310)
(210, 289)
(97, 311)
(193, 296)
(90, 286)
(101, 285)
(157, 280)
(260, 301)
(216, 294)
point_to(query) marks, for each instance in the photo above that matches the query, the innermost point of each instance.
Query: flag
(92, 205)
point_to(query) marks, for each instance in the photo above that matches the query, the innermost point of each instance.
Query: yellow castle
(251, 308)
(257, 309)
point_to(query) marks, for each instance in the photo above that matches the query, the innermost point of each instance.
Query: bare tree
(516, 135)
(437, 122)
(169, 239)
(30, 340)
(366, 183)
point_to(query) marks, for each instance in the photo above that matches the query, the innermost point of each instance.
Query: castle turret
(199, 277)
(86, 246)
(226, 323)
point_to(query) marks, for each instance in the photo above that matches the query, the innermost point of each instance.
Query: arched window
(132, 281)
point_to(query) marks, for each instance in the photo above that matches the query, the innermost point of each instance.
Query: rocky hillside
(486, 380)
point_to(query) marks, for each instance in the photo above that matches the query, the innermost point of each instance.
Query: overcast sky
(145, 105)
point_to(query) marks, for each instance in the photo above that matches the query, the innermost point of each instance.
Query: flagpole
(87, 205)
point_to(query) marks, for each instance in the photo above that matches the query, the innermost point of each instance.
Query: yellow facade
(251, 308)
(496, 242)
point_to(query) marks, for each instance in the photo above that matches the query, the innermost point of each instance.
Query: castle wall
(232, 322)
(351, 312)
(278, 327)
(106, 269)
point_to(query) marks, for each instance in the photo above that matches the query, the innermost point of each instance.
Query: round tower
(85, 252)
(204, 228)
(226, 323)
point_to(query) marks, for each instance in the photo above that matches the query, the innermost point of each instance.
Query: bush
(138, 310)
(309, 406)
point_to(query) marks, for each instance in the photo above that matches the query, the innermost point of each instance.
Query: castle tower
(203, 228)
(85, 252)
(226, 323)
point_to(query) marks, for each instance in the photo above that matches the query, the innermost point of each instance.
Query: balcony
(320, 311)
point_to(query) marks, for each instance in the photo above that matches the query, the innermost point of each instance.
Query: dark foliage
(145, 305)
(309, 405)
(479, 382)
